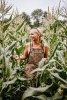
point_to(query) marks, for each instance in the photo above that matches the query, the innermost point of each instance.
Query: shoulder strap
(29, 51)
(42, 45)
(31, 46)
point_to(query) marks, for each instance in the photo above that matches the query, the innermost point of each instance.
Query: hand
(16, 57)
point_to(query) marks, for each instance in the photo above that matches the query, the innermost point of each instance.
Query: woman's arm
(46, 48)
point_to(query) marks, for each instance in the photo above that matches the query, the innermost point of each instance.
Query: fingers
(15, 57)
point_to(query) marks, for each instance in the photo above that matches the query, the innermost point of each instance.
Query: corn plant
(52, 77)
(10, 43)
(51, 80)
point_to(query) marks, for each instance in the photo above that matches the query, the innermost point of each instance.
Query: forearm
(21, 57)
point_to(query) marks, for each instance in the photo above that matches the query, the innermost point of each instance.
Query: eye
(31, 33)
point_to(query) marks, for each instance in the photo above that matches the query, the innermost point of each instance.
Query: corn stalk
(63, 12)
(3, 11)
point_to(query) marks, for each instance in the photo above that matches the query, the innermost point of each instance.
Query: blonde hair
(37, 31)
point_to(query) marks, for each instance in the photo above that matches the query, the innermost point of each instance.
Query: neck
(36, 42)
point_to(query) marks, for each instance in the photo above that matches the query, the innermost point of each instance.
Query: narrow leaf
(19, 27)
(32, 91)
(7, 24)
(10, 46)
(58, 77)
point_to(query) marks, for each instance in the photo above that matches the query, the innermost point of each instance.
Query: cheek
(31, 36)
(35, 36)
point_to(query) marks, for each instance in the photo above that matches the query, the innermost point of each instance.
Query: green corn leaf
(40, 97)
(32, 91)
(1, 57)
(64, 86)
(17, 51)
(21, 79)
(8, 70)
(7, 24)
(9, 47)
(58, 77)
(19, 27)
(13, 37)
(57, 96)
(10, 82)
(54, 51)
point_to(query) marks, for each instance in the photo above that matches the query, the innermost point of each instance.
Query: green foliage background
(51, 79)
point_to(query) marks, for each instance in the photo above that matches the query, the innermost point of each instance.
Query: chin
(33, 39)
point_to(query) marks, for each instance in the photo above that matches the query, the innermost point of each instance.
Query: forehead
(33, 31)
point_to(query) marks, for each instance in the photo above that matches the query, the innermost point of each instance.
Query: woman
(34, 52)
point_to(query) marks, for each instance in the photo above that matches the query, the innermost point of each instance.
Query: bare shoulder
(46, 46)
(46, 50)
(27, 45)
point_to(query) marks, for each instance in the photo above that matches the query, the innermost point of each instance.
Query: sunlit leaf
(13, 37)
(40, 97)
(19, 27)
(57, 96)
(33, 91)
(58, 77)
(21, 79)
(7, 24)
(10, 46)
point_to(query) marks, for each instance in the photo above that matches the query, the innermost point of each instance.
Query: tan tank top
(35, 55)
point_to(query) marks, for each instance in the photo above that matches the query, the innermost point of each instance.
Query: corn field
(51, 79)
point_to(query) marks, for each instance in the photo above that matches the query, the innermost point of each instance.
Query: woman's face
(34, 35)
